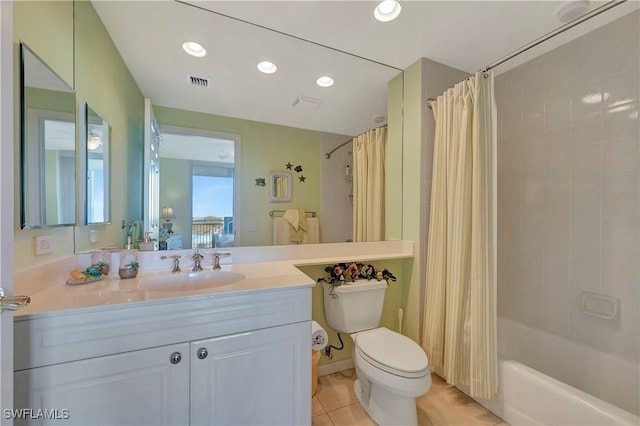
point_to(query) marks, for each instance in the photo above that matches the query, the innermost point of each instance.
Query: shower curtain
(459, 333)
(368, 185)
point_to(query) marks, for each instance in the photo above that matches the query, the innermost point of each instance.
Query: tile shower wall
(568, 196)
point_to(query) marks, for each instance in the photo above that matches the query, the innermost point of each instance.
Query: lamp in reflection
(167, 214)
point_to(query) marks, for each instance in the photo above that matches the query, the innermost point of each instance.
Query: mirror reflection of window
(48, 163)
(97, 173)
(197, 171)
(59, 170)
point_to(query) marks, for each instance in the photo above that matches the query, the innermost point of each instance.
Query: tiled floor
(336, 404)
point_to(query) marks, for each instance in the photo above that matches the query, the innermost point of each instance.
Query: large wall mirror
(281, 118)
(48, 145)
(98, 168)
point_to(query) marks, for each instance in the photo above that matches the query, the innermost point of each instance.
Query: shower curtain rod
(592, 14)
(328, 154)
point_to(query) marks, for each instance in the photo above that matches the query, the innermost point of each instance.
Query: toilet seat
(392, 352)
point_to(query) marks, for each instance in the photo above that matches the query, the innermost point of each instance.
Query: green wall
(105, 83)
(264, 148)
(101, 78)
(175, 181)
(47, 29)
(393, 300)
(413, 151)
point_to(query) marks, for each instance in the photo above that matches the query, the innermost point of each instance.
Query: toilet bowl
(392, 371)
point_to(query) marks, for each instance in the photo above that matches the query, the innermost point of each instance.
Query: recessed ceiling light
(194, 49)
(267, 67)
(325, 81)
(387, 10)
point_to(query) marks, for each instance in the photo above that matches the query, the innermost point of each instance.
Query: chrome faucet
(216, 260)
(176, 262)
(197, 258)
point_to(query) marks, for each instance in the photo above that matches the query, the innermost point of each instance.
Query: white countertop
(264, 268)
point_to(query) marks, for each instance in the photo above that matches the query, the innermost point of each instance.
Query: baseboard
(334, 367)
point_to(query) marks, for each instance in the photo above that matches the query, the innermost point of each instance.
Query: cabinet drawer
(75, 336)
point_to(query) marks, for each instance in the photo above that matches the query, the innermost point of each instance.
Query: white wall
(336, 215)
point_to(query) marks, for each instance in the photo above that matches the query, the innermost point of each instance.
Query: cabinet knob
(202, 353)
(175, 357)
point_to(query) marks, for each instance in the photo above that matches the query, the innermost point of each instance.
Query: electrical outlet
(44, 245)
(94, 236)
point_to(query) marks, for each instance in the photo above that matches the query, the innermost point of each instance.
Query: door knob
(202, 353)
(13, 303)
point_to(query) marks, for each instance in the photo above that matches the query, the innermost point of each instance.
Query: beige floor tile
(321, 420)
(336, 390)
(443, 405)
(352, 414)
(316, 407)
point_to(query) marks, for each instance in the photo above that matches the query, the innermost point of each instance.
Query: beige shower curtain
(460, 318)
(368, 185)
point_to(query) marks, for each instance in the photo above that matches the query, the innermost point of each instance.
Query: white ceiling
(467, 35)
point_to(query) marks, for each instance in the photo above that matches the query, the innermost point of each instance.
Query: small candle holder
(101, 259)
(128, 264)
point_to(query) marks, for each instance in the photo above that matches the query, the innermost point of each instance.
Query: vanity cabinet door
(261, 377)
(149, 386)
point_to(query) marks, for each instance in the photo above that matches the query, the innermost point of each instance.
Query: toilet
(392, 370)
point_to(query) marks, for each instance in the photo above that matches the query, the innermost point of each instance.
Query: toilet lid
(392, 352)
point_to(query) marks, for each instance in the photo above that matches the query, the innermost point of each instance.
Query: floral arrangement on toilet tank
(344, 273)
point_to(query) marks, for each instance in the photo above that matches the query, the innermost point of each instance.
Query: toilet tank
(354, 307)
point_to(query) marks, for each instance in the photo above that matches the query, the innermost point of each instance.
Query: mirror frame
(273, 187)
(24, 169)
(106, 153)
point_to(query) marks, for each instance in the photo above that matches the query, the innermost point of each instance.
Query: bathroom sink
(191, 281)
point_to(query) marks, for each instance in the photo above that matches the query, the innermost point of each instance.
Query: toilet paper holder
(317, 340)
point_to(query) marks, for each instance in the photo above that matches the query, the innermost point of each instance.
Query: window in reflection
(197, 178)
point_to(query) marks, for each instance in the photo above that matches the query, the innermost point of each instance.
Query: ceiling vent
(306, 101)
(205, 83)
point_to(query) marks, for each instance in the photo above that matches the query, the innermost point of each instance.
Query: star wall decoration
(288, 166)
(302, 178)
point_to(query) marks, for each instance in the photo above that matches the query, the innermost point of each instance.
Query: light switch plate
(94, 236)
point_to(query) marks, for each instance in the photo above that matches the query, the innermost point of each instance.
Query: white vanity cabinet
(133, 388)
(251, 378)
(243, 359)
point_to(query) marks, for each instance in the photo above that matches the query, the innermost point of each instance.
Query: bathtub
(529, 397)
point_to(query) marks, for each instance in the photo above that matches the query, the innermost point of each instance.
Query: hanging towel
(298, 221)
(281, 233)
(312, 236)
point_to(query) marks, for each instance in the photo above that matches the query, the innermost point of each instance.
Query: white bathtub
(529, 397)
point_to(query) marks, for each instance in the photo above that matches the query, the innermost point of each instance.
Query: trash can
(315, 359)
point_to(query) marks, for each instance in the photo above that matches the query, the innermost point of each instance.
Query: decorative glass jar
(128, 264)
(101, 259)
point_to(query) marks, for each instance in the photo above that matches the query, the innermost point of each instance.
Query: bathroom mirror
(279, 187)
(48, 145)
(97, 144)
(245, 103)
